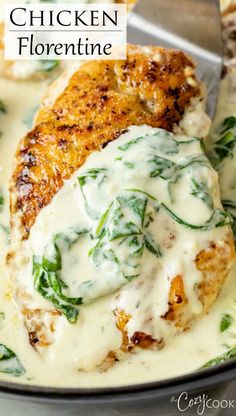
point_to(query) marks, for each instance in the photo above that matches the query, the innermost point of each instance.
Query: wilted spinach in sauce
(3, 108)
(47, 280)
(223, 157)
(225, 144)
(9, 362)
(228, 355)
(122, 228)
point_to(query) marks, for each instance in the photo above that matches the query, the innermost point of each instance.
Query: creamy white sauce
(124, 171)
(81, 346)
(95, 338)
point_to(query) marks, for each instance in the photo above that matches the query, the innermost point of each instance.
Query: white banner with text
(62, 31)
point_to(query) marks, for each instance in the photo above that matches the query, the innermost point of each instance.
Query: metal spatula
(190, 25)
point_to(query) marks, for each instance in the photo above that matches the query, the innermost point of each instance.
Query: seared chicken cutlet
(98, 206)
(154, 87)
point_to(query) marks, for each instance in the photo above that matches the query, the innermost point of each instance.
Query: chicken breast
(154, 87)
(84, 114)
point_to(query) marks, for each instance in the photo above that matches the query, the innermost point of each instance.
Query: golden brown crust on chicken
(214, 263)
(177, 300)
(100, 101)
(40, 333)
(138, 339)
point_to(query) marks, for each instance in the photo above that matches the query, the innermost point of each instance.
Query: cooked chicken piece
(215, 263)
(82, 113)
(100, 101)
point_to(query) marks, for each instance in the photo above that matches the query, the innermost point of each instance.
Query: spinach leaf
(127, 145)
(227, 140)
(125, 223)
(136, 247)
(102, 222)
(226, 322)
(50, 286)
(100, 253)
(1, 201)
(129, 165)
(194, 160)
(46, 273)
(200, 190)
(230, 206)
(166, 143)
(161, 167)
(9, 362)
(47, 65)
(233, 226)
(221, 358)
(151, 246)
(141, 192)
(191, 161)
(91, 175)
(219, 218)
(3, 108)
(229, 203)
(117, 219)
(163, 141)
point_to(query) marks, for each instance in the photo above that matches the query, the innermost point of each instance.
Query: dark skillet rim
(202, 378)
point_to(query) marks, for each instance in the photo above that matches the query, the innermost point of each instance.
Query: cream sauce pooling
(95, 334)
(144, 366)
(121, 191)
(203, 342)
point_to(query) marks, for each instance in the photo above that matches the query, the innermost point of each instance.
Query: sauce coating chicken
(154, 86)
(82, 113)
